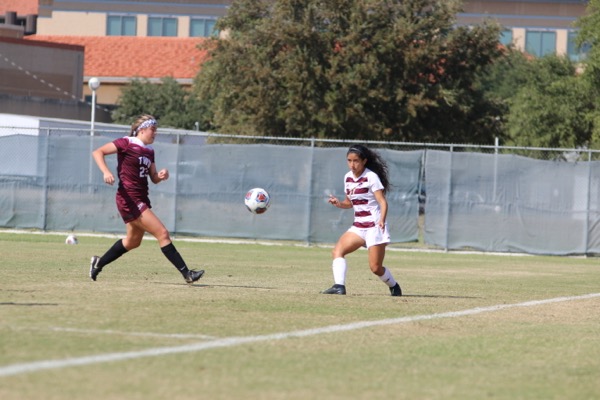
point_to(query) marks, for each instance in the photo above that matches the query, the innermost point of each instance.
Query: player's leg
(132, 240)
(347, 243)
(150, 223)
(376, 256)
(130, 213)
(134, 237)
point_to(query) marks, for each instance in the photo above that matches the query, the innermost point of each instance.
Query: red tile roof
(135, 57)
(21, 7)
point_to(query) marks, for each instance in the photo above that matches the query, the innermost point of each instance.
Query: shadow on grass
(196, 285)
(440, 296)
(431, 296)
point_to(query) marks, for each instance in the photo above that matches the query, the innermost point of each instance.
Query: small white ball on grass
(71, 239)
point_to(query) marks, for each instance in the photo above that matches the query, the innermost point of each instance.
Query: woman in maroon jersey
(135, 164)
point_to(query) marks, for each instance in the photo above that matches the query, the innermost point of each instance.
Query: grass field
(256, 327)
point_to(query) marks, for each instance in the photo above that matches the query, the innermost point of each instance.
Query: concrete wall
(41, 69)
(52, 108)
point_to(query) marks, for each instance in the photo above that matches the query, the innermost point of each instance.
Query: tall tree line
(380, 70)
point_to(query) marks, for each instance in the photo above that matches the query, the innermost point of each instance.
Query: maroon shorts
(131, 208)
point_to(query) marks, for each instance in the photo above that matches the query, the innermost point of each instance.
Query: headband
(146, 124)
(356, 150)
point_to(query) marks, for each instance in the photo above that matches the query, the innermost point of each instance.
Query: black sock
(116, 251)
(173, 255)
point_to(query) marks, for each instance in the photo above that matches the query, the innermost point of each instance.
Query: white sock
(387, 278)
(339, 271)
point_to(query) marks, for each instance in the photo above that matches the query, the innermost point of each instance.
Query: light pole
(94, 83)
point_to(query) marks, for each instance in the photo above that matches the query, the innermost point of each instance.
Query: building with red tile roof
(18, 18)
(116, 60)
(23, 7)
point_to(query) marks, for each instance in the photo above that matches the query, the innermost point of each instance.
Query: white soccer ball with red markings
(71, 239)
(257, 200)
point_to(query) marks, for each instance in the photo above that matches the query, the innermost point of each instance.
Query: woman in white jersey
(365, 187)
(135, 157)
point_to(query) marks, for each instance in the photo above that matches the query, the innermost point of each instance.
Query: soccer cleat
(94, 270)
(396, 290)
(193, 275)
(335, 289)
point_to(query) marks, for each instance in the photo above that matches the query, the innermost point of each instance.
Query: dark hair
(374, 162)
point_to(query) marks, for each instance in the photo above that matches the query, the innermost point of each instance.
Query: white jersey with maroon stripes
(361, 192)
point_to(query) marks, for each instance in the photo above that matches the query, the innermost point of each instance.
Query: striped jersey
(361, 192)
(133, 165)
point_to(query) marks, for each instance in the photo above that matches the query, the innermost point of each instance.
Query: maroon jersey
(133, 166)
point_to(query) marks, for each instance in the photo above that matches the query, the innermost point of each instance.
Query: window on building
(121, 25)
(506, 37)
(540, 43)
(574, 52)
(162, 26)
(203, 27)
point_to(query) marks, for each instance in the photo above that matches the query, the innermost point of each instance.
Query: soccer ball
(71, 239)
(257, 200)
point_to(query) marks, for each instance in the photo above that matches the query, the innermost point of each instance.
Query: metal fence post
(448, 209)
(496, 144)
(45, 200)
(587, 205)
(91, 163)
(310, 191)
(176, 191)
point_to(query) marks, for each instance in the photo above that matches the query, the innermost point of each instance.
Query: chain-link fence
(491, 198)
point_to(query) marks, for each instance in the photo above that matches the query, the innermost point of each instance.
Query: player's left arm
(158, 176)
(383, 207)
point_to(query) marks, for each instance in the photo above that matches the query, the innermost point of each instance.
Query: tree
(368, 69)
(504, 79)
(554, 108)
(167, 101)
(589, 35)
(507, 75)
(554, 105)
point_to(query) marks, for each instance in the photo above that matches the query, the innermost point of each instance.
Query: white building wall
(73, 24)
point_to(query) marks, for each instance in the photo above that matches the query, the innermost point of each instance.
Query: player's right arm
(346, 203)
(99, 154)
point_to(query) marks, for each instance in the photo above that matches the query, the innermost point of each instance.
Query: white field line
(24, 368)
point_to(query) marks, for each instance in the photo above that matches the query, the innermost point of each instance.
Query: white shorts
(372, 236)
